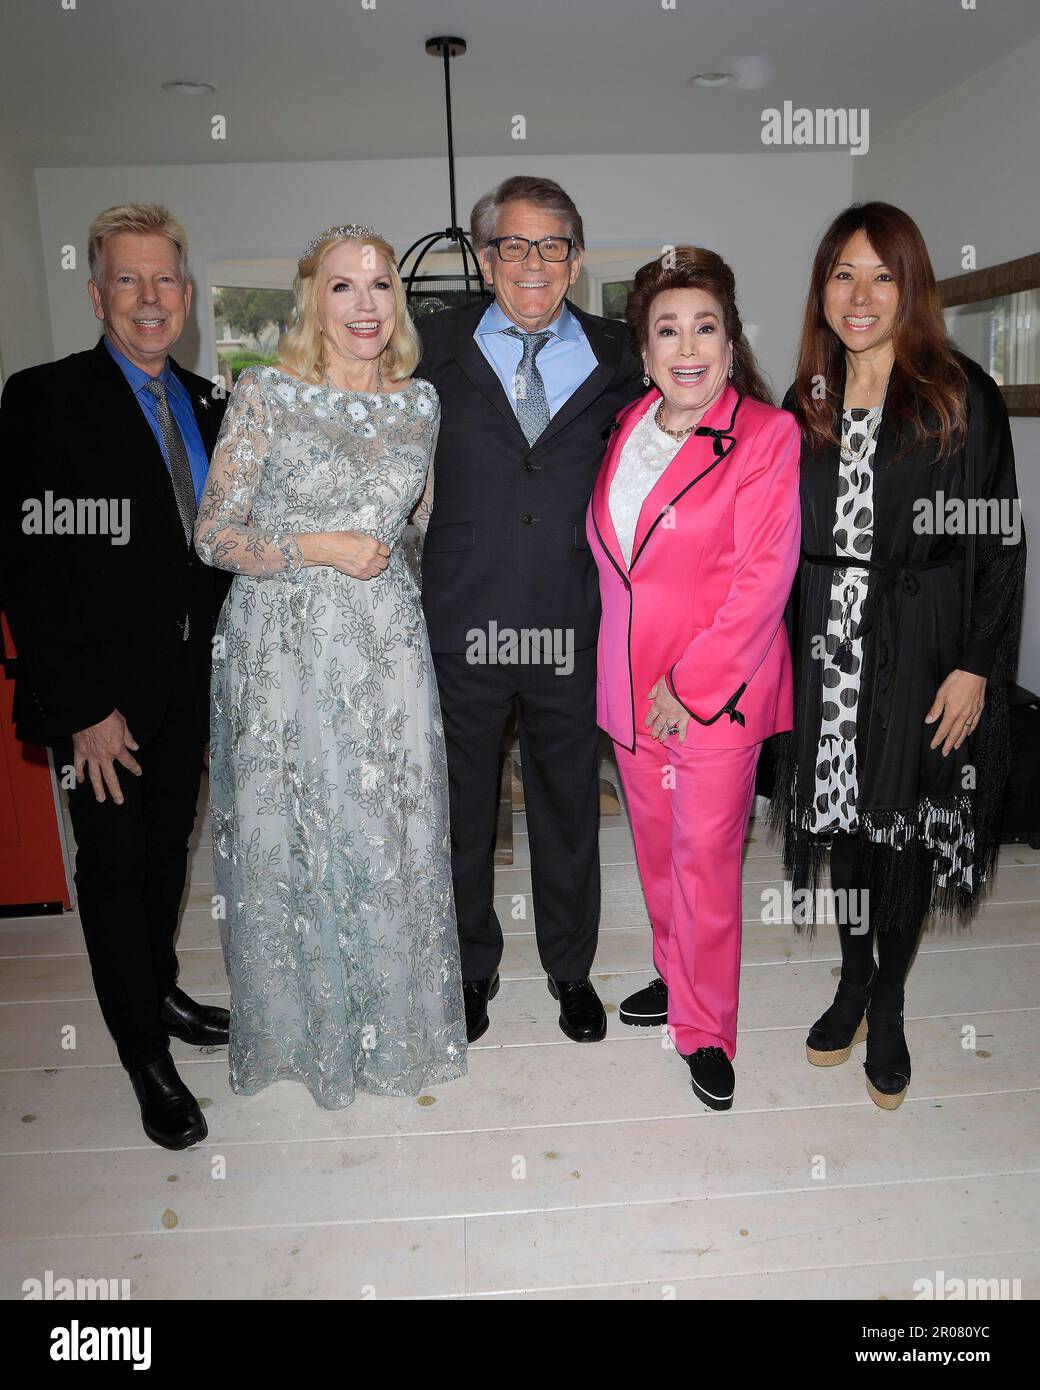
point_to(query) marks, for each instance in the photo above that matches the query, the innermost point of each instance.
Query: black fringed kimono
(936, 601)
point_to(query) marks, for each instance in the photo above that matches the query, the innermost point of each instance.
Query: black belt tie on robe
(896, 576)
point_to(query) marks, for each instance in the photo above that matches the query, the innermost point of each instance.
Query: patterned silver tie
(180, 468)
(532, 404)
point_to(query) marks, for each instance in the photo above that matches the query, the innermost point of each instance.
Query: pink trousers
(689, 811)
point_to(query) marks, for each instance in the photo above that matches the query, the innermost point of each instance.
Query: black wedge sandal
(887, 1063)
(833, 1035)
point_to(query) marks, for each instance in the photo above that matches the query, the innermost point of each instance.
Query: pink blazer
(713, 560)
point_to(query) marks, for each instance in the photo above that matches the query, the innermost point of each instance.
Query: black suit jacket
(506, 539)
(98, 626)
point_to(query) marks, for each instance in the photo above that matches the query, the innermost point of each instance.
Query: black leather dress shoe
(201, 1024)
(169, 1112)
(582, 1016)
(475, 994)
(711, 1074)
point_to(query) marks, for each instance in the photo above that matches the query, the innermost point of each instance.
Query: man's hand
(959, 700)
(99, 748)
(664, 712)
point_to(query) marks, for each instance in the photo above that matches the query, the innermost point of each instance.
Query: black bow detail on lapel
(719, 435)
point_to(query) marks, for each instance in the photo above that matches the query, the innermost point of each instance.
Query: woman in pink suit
(694, 523)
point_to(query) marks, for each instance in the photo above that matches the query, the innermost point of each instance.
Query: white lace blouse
(647, 453)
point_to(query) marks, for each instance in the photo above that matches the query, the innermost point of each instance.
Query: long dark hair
(927, 389)
(694, 268)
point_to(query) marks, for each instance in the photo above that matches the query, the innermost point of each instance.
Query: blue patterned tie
(532, 404)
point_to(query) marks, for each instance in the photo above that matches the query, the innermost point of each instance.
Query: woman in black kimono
(904, 616)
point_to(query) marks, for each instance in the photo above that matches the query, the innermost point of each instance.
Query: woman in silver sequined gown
(327, 766)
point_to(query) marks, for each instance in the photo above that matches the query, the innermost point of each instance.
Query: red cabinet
(32, 852)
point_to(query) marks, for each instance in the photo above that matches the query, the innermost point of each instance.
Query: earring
(731, 370)
(646, 379)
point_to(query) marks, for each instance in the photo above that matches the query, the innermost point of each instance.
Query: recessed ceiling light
(189, 89)
(713, 79)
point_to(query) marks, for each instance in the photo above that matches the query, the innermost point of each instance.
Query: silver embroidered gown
(327, 767)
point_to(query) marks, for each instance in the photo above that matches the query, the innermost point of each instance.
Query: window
(607, 276)
(993, 316)
(251, 304)
(1002, 335)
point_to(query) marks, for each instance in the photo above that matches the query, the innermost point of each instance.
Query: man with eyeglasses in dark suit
(529, 386)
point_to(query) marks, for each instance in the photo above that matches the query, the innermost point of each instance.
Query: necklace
(871, 430)
(873, 388)
(674, 434)
(379, 381)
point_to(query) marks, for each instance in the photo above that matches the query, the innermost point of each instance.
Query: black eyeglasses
(517, 248)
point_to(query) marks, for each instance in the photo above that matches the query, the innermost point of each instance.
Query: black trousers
(131, 862)
(556, 726)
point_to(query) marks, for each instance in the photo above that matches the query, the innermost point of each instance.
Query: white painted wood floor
(553, 1170)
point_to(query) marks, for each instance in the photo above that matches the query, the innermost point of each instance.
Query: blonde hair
(302, 348)
(143, 218)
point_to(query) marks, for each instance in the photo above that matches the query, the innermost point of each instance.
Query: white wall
(764, 213)
(967, 169)
(25, 326)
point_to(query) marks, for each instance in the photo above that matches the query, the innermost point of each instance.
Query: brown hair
(927, 389)
(694, 268)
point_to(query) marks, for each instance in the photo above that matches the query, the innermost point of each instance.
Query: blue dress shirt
(564, 362)
(180, 409)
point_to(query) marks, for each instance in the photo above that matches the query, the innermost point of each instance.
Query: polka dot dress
(836, 787)
(947, 831)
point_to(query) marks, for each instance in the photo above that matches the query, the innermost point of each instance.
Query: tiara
(355, 229)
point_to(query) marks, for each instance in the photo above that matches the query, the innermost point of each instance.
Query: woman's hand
(665, 713)
(959, 700)
(351, 552)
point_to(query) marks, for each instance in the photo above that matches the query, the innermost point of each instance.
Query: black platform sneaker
(647, 1008)
(711, 1074)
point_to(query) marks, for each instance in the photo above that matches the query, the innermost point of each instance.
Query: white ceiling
(329, 80)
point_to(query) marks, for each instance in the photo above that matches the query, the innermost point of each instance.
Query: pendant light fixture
(444, 288)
